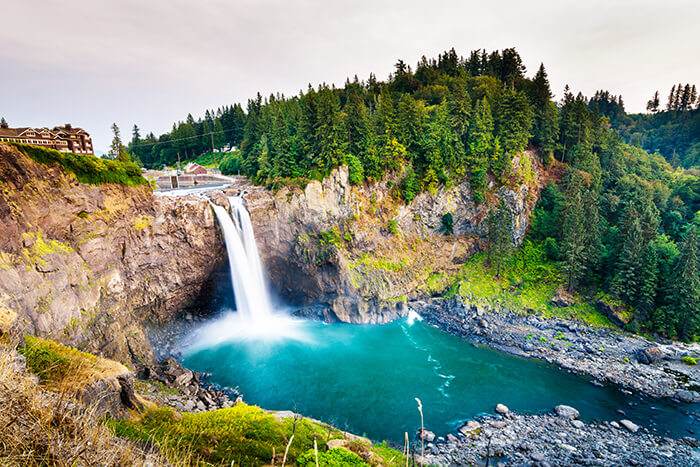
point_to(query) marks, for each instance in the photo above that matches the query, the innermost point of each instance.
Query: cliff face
(356, 254)
(89, 265)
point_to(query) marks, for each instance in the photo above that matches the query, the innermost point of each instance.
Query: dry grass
(40, 427)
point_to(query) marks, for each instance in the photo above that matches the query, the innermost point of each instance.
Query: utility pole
(211, 133)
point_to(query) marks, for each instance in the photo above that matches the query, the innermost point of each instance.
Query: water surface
(365, 378)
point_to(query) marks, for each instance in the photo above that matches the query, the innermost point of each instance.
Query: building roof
(12, 131)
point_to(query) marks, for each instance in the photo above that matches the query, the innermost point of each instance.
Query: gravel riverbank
(557, 439)
(607, 356)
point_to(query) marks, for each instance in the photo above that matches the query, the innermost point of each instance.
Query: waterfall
(255, 319)
(252, 299)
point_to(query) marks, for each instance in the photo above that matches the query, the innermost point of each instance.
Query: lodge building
(62, 138)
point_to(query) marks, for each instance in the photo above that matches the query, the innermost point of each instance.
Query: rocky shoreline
(607, 356)
(557, 438)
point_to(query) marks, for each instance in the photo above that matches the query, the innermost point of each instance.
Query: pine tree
(653, 104)
(576, 236)
(219, 135)
(546, 117)
(670, 105)
(480, 147)
(330, 135)
(686, 297)
(626, 282)
(117, 151)
(499, 224)
(459, 109)
(648, 283)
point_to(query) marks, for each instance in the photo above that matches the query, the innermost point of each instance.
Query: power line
(183, 139)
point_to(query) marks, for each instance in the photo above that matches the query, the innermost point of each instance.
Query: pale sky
(151, 62)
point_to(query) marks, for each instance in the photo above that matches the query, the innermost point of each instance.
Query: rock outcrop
(89, 265)
(358, 253)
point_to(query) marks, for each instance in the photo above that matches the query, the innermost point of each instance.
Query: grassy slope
(59, 366)
(87, 169)
(244, 434)
(527, 284)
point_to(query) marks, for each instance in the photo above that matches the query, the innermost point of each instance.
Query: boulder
(502, 409)
(470, 428)
(562, 299)
(578, 424)
(426, 435)
(688, 397)
(566, 411)
(649, 355)
(633, 427)
(619, 315)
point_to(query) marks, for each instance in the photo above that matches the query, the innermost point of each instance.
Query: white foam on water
(412, 317)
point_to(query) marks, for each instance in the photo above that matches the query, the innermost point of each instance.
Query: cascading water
(240, 213)
(252, 299)
(255, 318)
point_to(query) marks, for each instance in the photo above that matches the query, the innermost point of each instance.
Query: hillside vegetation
(86, 168)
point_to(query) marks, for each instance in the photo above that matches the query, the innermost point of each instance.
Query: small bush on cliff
(87, 169)
(689, 360)
(447, 224)
(393, 226)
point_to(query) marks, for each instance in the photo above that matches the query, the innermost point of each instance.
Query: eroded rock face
(358, 253)
(89, 265)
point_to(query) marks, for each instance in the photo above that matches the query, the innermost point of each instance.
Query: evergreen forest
(620, 213)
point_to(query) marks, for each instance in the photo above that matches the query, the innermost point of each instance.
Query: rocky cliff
(357, 253)
(90, 265)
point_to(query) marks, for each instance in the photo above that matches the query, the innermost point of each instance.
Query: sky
(151, 62)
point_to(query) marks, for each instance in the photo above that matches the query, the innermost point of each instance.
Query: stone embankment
(557, 438)
(607, 356)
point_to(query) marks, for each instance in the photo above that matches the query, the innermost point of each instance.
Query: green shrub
(355, 170)
(336, 457)
(230, 164)
(393, 226)
(86, 168)
(689, 360)
(410, 185)
(447, 222)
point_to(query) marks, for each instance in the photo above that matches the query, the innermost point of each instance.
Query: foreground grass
(245, 435)
(41, 427)
(527, 283)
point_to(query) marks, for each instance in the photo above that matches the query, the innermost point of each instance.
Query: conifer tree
(686, 296)
(480, 147)
(546, 117)
(117, 151)
(653, 104)
(331, 139)
(500, 233)
(576, 233)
